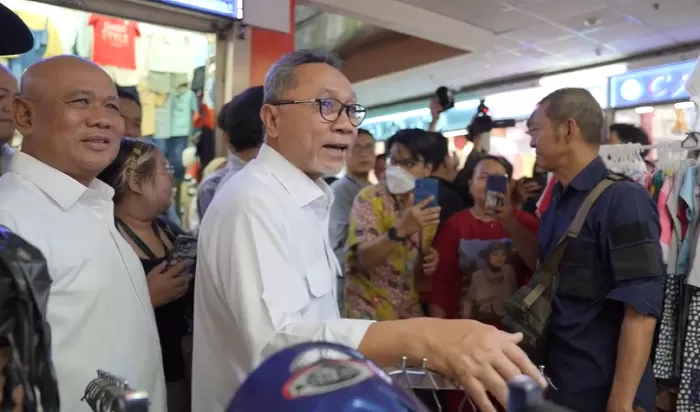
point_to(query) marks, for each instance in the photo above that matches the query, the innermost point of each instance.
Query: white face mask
(398, 180)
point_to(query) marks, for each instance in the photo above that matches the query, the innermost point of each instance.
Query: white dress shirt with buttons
(265, 276)
(99, 308)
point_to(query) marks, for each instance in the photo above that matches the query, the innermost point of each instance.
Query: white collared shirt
(265, 276)
(99, 308)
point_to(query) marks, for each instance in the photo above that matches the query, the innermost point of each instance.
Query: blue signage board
(224, 8)
(645, 87)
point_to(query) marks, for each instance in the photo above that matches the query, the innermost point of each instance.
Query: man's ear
(22, 115)
(268, 115)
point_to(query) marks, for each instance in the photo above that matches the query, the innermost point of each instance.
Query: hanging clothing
(114, 41)
(40, 32)
(170, 51)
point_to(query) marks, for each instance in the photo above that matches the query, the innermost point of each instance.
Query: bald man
(99, 308)
(8, 91)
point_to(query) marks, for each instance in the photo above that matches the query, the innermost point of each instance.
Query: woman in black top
(142, 180)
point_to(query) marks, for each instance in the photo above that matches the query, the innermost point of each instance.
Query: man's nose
(101, 118)
(533, 142)
(343, 124)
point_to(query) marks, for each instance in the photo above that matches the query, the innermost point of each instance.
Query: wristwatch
(394, 236)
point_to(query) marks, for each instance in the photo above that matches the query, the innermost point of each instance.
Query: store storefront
(512, 143)
(654, 99)
(167, 65)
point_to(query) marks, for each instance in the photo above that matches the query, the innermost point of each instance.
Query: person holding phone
(479, 268)
(390, 234)
(142, 180)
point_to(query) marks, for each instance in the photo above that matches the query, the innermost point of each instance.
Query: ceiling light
(684, 105)
(644, 110)
(467, 104)
(584, 78)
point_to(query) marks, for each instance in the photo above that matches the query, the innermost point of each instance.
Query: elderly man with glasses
(266, 268)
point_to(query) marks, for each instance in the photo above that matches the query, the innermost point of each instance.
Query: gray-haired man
(266, 269)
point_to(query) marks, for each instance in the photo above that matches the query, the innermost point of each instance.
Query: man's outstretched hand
(482, 359)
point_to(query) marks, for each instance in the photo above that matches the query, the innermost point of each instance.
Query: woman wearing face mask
(389, 254)
(142, 180)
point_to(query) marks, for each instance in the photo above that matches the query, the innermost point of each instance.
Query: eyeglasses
(331, 109)
(363, 149)
(407, 163)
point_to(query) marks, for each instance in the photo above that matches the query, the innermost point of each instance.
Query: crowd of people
(284, 258)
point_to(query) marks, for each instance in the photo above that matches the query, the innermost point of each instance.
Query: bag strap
(551, 265)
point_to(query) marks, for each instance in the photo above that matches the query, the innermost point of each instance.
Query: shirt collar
(299, 185)
(235, 162)
(590, 176)
(57, 185)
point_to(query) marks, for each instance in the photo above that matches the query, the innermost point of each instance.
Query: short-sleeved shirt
(478, 267)
(616, 262)
(388, 291)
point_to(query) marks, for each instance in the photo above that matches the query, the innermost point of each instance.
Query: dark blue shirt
(615, 262)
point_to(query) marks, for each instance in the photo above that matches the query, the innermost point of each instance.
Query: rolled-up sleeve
(632, 248)
(265, 292)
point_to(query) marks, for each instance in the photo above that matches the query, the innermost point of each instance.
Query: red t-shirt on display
(114, 41)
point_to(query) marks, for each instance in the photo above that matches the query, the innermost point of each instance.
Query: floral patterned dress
(388, 291)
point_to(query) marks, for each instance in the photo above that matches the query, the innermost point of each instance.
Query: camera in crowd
(482, 122)
(445, 98)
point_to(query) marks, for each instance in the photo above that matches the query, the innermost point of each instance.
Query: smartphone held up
(496, 187)
(426, 188)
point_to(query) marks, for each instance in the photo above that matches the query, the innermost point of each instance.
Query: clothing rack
(110, 393)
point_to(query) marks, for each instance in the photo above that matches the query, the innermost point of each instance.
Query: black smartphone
(496, 186)
(184, 248)
(424, 189)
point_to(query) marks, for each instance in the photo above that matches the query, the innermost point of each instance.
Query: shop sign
(225, 8)
(662, 84)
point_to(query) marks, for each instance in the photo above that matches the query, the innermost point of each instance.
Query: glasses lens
(357, 114)
(330, 109)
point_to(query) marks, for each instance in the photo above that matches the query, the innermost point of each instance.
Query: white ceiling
(534, 36)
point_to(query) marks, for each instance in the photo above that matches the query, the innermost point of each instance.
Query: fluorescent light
(397, 117)
(684, 105)
(467, 104)
(584, 78)
(454, 133)
(644, 109)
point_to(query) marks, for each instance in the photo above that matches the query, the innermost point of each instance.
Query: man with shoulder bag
(589, 313)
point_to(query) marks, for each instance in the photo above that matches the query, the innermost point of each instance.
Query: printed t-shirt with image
(114, 41)
(388, 291)
(478, 268)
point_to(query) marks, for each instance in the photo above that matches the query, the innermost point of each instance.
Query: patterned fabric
(689, 395)
(664, 355)
(388, 291)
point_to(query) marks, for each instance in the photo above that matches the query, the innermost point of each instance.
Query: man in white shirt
(266, 270)
(99, 308)
(8, 91)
